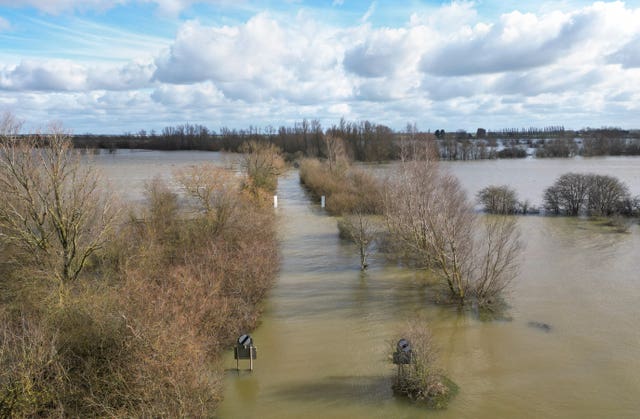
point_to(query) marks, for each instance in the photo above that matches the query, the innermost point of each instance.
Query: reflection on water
(324, 339)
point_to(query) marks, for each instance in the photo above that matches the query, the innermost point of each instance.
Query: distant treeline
(370, 142)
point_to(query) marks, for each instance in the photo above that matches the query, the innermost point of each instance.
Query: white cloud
(65, 75)
(448, 67)
(200, 94)
(258, 60)
(383, 53)
(518, 42)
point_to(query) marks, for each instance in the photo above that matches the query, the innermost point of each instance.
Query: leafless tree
(335, 151)
(498, 199)
(422, 379)
(606, 195)
(576, 193)
(567, 195)
(428, 214)
(358, 228)
(214, 190)
(53, 207)
(262, 164)
(498, 253)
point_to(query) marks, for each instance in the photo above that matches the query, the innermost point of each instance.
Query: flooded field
(325, 334)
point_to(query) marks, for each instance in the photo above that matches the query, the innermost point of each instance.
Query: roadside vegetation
(119, 311)
(426, 219)
(346, 188)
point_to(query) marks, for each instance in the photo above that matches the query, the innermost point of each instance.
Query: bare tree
(567, 195)
(421, 379)
(53, 208)
(213, 188)
(496, 266)
(336, 153)
(576, 193)
(359, 229)
(498, 199)
(263, 164)
(429, 216)
(607, 195)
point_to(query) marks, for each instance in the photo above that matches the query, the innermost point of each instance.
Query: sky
(115, 66)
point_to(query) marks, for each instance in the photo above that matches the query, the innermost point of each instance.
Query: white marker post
(322, 201)
(275, 201)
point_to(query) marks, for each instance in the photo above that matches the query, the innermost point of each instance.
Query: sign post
(245, 350)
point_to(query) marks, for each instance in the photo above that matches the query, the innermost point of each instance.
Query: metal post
(251, 358)
(322, 201)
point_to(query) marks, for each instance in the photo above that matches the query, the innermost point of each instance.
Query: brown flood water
(326, 329)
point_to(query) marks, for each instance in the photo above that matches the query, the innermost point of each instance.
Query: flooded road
(326, 331)
(327, 328)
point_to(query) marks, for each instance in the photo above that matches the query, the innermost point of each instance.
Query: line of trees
(368, 141)
(572, 194)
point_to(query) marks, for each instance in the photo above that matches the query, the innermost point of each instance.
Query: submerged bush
(498, 199)
(421, 380)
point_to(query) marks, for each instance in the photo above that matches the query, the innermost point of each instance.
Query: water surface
(326, 331)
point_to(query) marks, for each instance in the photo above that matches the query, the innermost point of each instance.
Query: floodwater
(327, 328)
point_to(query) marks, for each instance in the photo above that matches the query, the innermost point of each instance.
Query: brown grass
(347, 189)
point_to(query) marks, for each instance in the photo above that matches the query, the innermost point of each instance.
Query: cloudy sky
(110, 66)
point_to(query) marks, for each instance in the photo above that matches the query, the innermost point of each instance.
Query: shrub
(141, 337)
(421, 380)
(498, 199)
(346, 189)
(262, 164)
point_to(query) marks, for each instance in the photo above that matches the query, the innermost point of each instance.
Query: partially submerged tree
(567, 195)
(427, 213)
(429, 216)
(590, 194)
(358, 228)
(53, 208)
(336, 153)
(498, 250)
(607, 195)
(498, 199)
